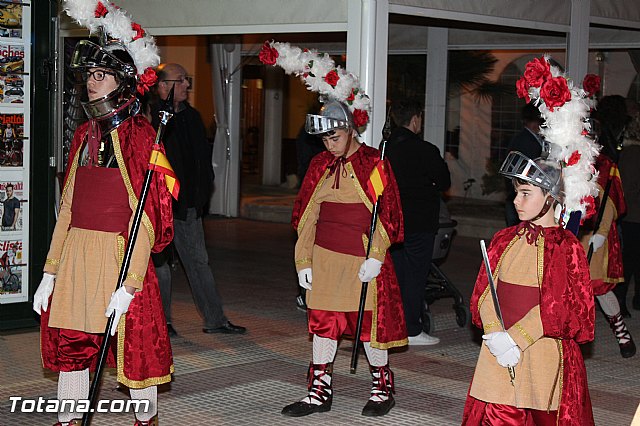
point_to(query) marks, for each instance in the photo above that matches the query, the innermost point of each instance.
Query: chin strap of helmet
(548, 202)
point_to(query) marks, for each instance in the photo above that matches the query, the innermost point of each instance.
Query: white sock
(72, 385)
(324, 349)
(377, 358)
(609, 304)
(150, 394)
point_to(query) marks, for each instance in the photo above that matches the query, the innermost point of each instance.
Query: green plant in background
(491, 180)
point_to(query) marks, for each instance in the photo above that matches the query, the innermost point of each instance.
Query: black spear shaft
(365, 285)
(124, 268)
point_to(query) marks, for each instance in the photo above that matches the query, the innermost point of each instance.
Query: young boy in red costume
(332, 214)
(544, 290)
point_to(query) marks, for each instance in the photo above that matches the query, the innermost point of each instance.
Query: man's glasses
(181, 80)
(98, 75)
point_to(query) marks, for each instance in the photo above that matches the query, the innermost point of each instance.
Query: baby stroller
(438, 286)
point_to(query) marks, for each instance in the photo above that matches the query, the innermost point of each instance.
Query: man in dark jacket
(422, 175)
(190, 157)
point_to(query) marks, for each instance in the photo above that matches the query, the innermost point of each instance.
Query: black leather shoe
(172, 331)
(226, 328)
(375, 409)
(299, 409)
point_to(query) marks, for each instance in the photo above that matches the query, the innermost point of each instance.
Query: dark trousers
(631, 263)
(412, 261)
(190, 245)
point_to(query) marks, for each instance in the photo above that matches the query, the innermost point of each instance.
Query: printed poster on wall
(11, 140)
(12, 73)
(11, 19)
(15, 105)
(11, 268)
(12, 256)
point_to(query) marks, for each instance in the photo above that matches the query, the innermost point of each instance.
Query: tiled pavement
(246, 380)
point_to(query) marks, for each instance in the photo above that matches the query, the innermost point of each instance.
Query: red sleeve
(567, 305)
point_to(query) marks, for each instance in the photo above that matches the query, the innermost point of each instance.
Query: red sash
(515, 301)
(340, 227)
(100, 200)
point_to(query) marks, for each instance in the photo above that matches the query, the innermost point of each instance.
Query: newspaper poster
(11, 140)
(11, 19)
(11, 267)
(11, 201)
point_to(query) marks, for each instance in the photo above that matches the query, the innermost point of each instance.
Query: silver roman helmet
(333, 115)
(545, 174)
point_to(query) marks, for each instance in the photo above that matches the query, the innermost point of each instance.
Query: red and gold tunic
(606, 263)
(332, 214)
(548, 309)
(87, 249)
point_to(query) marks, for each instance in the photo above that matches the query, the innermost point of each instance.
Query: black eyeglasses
(98, 75)
(181, 80)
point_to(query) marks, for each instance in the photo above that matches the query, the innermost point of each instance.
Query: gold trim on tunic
(127, 183)
(307, 211)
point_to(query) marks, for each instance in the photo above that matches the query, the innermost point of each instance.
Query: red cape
(567, 312)
(143, 346)
(390, 329)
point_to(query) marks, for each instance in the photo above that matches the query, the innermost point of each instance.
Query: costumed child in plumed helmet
(108, 161)
(542, 278)
(530, 370)
(331, 215)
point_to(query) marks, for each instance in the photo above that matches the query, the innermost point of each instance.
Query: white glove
(305, 278)
(119, 304)
(41, 298)
(510, 358)
(498, 342)
(597, 241)
(369, 269)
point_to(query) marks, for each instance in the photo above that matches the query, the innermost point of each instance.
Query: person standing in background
(187, 150)
(422, 175)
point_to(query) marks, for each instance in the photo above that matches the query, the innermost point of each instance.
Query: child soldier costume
(530, 370)
(108, 159)
(547, 304)
(332, 214)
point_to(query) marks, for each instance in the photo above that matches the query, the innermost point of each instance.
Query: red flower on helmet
(522, 89)
(332, 78)
(100, 11)
(138, 29)
(352, 96)
(574, 158)
(537, 72)
(360, 118)
(268, 54)
(555, 93)
(146, 80)
(591, 84)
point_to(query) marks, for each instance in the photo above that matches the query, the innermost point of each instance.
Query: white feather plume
(566, 128)
(312, 67)
(118, 25)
